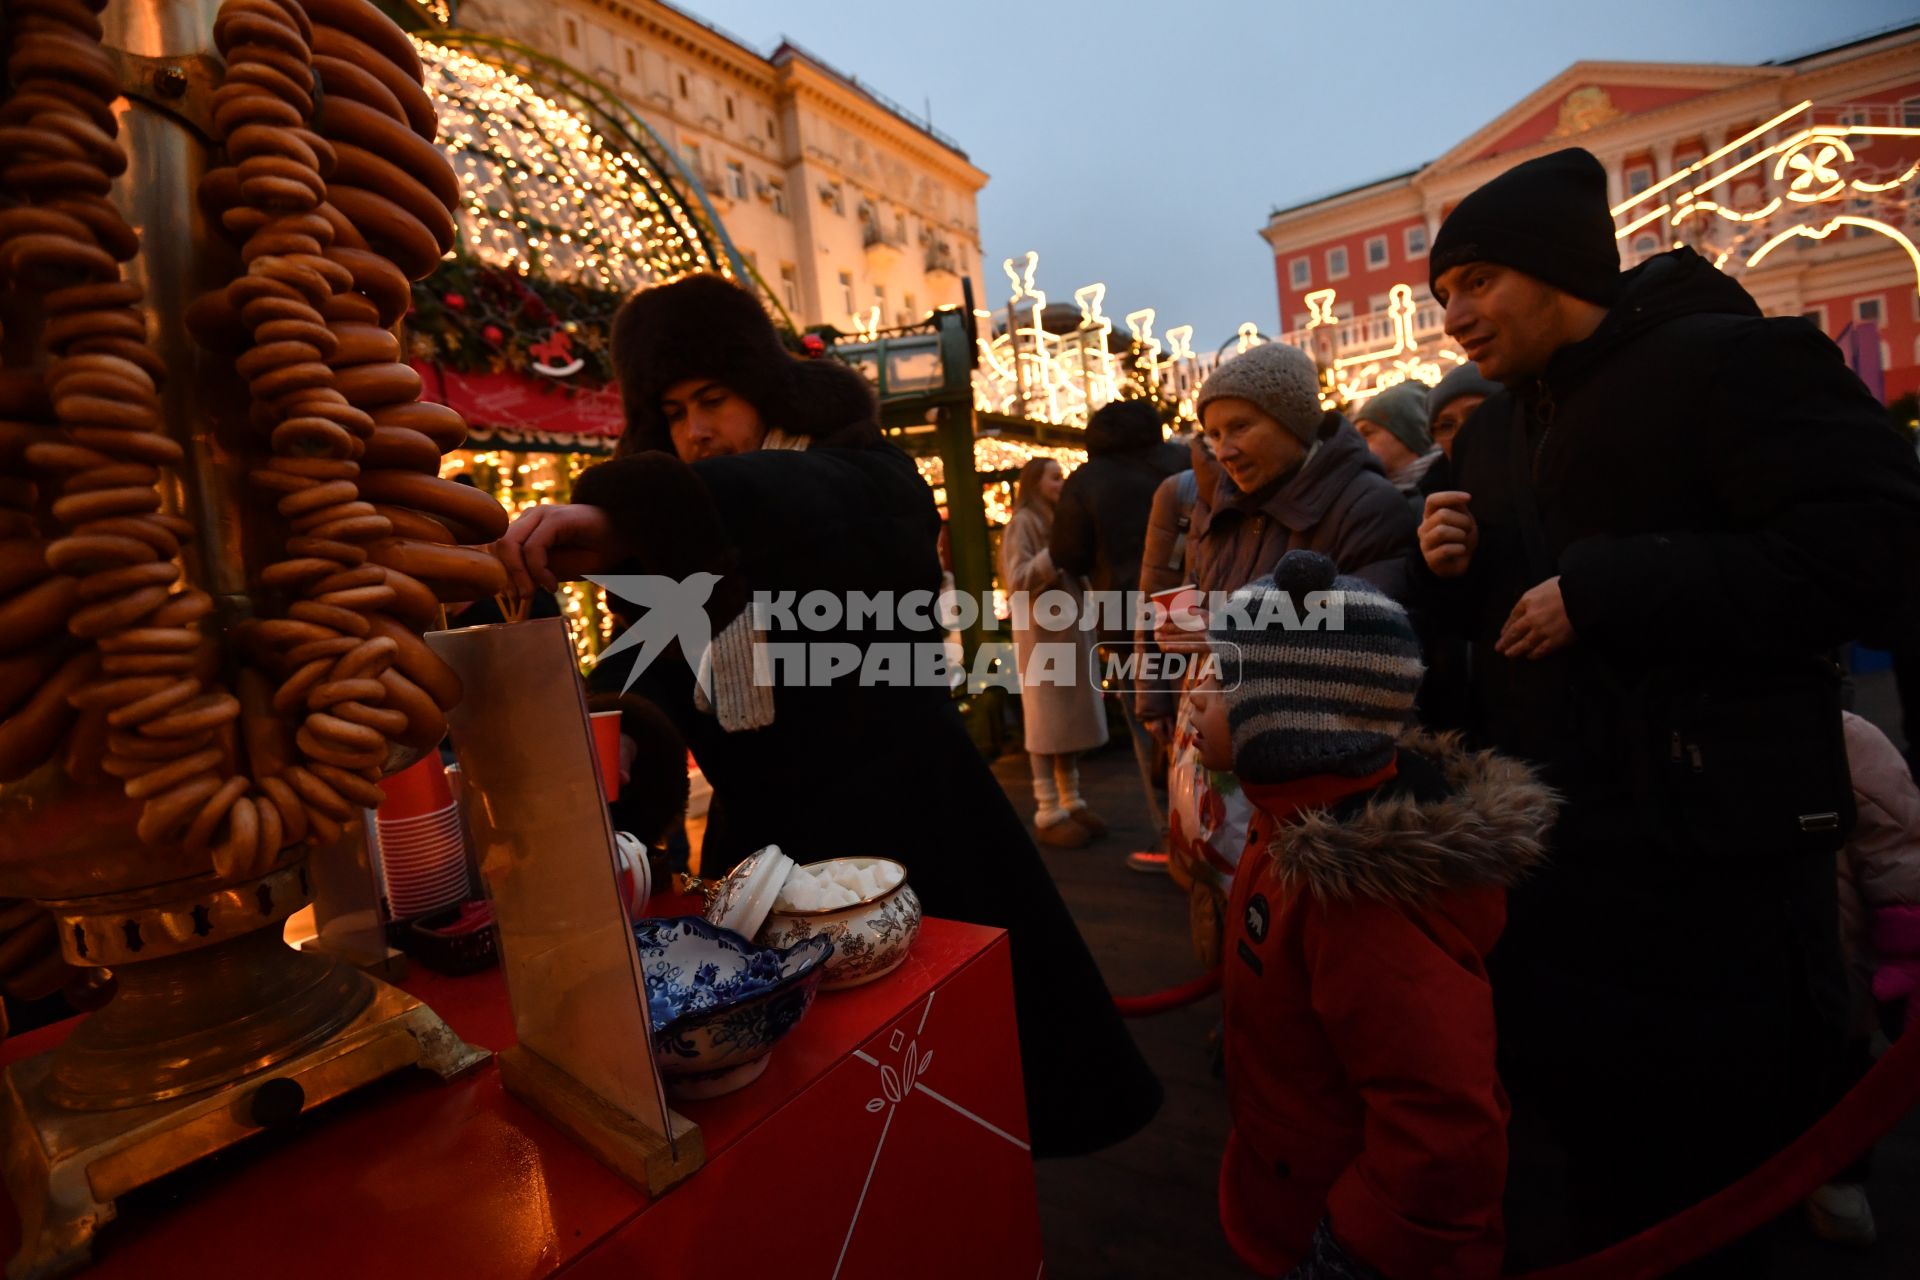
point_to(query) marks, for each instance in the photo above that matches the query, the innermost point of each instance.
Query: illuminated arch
(1834, 224)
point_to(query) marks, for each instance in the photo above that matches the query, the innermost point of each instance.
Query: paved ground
(1146, 1208)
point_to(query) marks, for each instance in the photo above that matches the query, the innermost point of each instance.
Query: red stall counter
(887, 1137)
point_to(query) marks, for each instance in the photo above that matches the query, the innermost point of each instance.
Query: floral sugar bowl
(718, 1003)
(862, 904)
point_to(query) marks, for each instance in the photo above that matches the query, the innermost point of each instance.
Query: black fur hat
(703, 326)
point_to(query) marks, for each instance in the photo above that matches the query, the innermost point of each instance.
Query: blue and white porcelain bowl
(719, 1003)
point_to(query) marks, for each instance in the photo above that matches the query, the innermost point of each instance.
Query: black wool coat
(1100, 522)
(1724, 503)
(846, 770)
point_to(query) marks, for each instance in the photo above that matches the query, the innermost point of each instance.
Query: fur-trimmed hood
(1488, 830)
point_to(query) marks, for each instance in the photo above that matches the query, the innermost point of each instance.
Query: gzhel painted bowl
(718, 1002)
(870, 937)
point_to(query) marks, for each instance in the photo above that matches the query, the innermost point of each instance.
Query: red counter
(886, 1139)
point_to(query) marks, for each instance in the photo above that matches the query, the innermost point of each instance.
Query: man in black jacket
(1659, 532)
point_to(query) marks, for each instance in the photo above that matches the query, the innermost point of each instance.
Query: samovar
(217, 1028)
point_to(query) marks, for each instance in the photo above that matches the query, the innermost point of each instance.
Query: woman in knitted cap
(1394, 425)
(1369, 1126)
(747, 471)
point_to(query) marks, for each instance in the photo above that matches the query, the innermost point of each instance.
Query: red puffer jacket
(1359, 1020)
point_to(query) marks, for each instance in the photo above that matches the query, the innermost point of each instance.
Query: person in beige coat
(1879, 912)
(1059, 681)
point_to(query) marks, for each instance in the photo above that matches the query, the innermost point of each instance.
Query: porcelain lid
(742, 900)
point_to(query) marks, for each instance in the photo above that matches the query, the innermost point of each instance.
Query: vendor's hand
(1538, 624)
(550, 543)
(1184, 633)
(1449, 535)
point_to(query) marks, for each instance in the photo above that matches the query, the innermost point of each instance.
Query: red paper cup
(606, 744)
(419, 789)
(1177, 602)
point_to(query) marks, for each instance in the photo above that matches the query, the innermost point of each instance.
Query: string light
(1062, 378)
(545, 191)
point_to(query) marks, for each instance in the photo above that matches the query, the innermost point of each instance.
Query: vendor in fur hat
(745, 470)
(1369, 1125)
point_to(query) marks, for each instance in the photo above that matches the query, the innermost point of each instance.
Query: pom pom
(1301, 571)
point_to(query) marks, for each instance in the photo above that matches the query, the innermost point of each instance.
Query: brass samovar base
(65, 1168)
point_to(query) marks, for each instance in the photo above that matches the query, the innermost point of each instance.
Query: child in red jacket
(1369, 1134)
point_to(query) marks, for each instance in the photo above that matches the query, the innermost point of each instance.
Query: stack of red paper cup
(423, 855)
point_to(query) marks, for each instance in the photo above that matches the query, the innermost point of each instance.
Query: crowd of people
(1531, 871)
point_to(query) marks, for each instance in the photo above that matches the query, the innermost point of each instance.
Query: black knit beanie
(701, 326)
(1547, 217)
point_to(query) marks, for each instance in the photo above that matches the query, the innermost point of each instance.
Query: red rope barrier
(1172, 998)
(1871, 1108)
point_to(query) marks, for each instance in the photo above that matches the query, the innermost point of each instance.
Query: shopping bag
(1208, 821)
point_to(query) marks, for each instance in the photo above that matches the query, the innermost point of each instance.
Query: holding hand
(1449, 535)
(1538, 624)
(550, 543)
(1185, 634)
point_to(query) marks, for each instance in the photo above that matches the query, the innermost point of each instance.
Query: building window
(879, 304)
(633, 63)
(683, 84)
(736, 180)
(790, 286)
(834, 197)
(693, 160)
(1818, 315)
(1910, 113)
(573, 34)
(1639, 178)
(846, 291)
(909, 312)
(1869, 310)
(1337, 263)
(729, 108)
(777, 196)
(1376, 252)
(773, 134)
(1300, 272)
(1415, 240)
(1645, 246)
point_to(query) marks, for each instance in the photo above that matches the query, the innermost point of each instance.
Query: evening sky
(1145, 144)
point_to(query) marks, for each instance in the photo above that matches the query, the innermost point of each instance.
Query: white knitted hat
(1280, 380)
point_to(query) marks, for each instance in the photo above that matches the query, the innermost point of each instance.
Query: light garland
(1062, 378)
(1811, 169)
(544, 191)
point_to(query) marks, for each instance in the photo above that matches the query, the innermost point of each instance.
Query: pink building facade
(1800, 177)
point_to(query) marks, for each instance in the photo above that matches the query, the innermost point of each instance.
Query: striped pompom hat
(1323, 686)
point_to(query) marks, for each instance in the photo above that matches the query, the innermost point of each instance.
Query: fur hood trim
(1489, 831)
